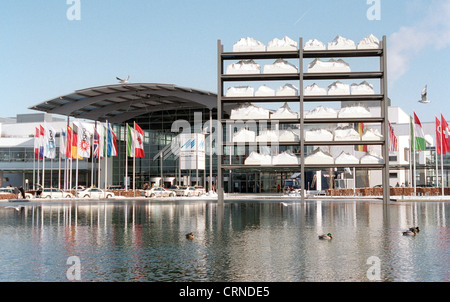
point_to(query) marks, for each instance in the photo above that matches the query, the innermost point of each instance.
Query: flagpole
(93, 156)
(59, 167)
(442, 168)
(410, 166)
(65, 174)
(66, 159)
(43, 170)
(76, 157)
(99, 155)
(34, 160)
(438, 132)
(98, 151)
(60, 155)
(437, 170)
(126, 157)
(34, 170)
(76, 167)
(210, 150)
(71, 153)
(413, 150)
(92, 161)
(106, 154)
(38, 181)
(71, 165)
(442, 155)
(134, 161)
(38, 164)
(51, 174)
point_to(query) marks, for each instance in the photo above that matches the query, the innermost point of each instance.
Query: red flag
(139, 143)
(445, 136)
(438, 136)
(69, 142)
(37, 144)
(392, 139)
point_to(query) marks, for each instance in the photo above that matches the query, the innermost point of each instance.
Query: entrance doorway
(243, 183)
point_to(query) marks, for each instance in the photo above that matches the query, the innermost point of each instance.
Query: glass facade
(158, 135)
(16, 154)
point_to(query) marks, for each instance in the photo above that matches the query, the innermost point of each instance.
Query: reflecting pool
(239, 241)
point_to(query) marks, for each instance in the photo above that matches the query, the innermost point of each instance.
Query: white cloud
(432, 30)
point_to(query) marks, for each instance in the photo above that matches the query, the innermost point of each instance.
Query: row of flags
(442, 135)
(393, 145)
(75, 141)
(135, 141)
(44, 142)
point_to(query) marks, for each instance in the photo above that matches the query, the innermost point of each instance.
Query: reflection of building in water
(241, 241)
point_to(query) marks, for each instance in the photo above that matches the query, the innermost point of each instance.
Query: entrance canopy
(121, 102)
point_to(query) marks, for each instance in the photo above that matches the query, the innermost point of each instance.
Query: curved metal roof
(121, 102)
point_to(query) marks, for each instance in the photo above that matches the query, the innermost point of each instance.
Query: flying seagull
(424, 99)
(18, 208)
(123, 81)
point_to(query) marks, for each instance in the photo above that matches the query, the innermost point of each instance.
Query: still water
(240, 241)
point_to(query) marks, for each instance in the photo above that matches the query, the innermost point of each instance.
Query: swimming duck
(190, 236)
(326, 236)
(414, 229)
(409, 233)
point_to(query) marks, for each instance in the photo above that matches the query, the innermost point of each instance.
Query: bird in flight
(424, 99)
(123, 81)
(18, 208)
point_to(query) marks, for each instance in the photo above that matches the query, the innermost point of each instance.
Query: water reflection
(240, 241)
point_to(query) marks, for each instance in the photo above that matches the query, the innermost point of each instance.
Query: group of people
(18, 190)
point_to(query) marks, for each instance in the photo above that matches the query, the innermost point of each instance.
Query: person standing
(22, 192)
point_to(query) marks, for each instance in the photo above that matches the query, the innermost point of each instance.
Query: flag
(97, 147)
(84, 140)
(62, 144)
(135, 142)
(445, 136)
(69, 142)
(438, 135)
(361, 132)
(100, 130)
(130, 141)
(139, 143)
(392, 139)
(41, 142)
(75, 133)
(74, 140)
(37, 143)
(111, 144)
(419, 136)
(49, 141)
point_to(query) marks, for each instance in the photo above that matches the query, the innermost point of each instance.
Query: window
(393, 158)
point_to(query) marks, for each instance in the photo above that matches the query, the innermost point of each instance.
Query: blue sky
(45, 55)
